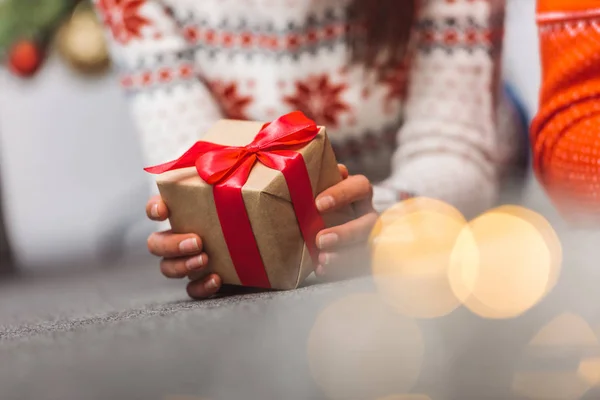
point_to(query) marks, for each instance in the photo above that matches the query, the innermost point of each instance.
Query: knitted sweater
(439, 126)
(565, 132)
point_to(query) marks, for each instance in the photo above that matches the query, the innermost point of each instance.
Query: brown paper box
(284, 253)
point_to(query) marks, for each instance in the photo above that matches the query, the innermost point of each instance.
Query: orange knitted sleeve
(565, 134)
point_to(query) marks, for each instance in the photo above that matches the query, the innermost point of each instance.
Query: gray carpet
(106, 334)
(130, 291)
(126, 333)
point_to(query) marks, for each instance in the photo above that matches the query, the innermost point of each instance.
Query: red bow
(228, 168)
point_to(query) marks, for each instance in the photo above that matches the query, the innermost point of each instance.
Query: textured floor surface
(125, 333)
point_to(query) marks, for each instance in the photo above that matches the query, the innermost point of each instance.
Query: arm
(565, 132)
(447, 144)
(170, 105)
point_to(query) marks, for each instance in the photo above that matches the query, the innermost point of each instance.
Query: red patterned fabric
(233, 104)
(320, 99)
(123, 18)
(565, 134)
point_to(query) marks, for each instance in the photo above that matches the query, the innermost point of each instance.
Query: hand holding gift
(251, 207)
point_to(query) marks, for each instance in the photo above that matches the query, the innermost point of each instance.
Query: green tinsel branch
(34, 20)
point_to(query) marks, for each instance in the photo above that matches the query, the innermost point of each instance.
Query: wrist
(386, 196)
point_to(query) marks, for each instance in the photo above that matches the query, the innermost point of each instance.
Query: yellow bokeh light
(550, 385)
(589, 367)
(427, 260)
(566, 336)
(566, 329)
(549, 235)
(463, 270)
(410, 260)
(359, 348)
(409, 206)
(589, 370)
(501, 265)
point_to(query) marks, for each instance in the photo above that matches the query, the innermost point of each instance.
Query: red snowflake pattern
(233, 104)
(320, 99)
(395, 82)
(123, 18)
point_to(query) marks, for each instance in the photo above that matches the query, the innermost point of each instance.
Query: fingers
(350, 233)
(156, 209)
(343, 171)
(205, 287)
(177, 268)
(182, 253)
(325, 259)
(171, 245)
(363, 207)
(356, 188)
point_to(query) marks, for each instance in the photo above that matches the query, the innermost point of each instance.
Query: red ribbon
(227, 168)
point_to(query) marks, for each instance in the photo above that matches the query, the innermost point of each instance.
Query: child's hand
(182, 253)
(355, 190)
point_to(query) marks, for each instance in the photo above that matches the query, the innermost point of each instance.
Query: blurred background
(72, 181)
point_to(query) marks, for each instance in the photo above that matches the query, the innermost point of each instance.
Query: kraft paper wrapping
(266, 196)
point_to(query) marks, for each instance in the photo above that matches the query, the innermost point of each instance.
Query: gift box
(248, 191)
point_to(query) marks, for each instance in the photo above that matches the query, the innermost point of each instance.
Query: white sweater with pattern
(439, 127)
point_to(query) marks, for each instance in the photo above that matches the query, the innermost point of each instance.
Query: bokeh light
(410, 206)
(566, 337)
(502, 265)
(566, 329)
(550, 385)
(589, 370)
(427, 260)
(548, 234)
(411, 248)
(360, 348)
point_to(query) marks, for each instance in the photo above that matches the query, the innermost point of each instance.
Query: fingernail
(319, 271)
(210, 284)
(195, 263)
(189, 245)
(327, 240)
(154, 211)
(325, 203)
(326, 258)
